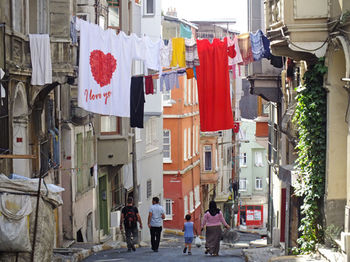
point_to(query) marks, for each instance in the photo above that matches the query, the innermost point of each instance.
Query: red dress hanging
(214, 86)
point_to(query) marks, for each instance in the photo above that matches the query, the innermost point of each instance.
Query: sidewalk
(79, 251)
(271, 254)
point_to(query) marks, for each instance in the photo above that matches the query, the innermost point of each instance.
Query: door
(283, 215)
(102, 186)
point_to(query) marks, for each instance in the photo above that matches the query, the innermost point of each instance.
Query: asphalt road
(171, 250)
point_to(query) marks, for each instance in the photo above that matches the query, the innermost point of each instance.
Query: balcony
(296, 28)
(209, 177)
(112, 150)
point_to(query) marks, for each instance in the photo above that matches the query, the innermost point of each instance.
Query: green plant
(310, 118)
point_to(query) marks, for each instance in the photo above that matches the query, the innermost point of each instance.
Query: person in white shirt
(155, 222)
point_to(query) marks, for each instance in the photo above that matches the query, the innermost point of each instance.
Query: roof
(215, 21)
(179, 20)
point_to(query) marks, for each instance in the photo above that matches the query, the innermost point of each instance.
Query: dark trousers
(155, 237)
(131, 232)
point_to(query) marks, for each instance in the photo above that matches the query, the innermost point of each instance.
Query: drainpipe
(3, 25)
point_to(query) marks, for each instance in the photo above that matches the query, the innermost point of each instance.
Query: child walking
(188, 234)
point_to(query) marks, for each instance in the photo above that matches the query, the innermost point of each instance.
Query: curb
(81, 254)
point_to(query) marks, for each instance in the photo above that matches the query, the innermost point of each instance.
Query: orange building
(181, 161)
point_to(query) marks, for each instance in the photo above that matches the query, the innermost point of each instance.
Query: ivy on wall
(310, 118)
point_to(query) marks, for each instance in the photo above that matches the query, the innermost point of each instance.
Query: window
(189, 88)
(243, 184)
(117, 191)
(195, 90)
(258, 183)
(197, 196)
(110, 125)
(185, 144)
(84, 161)
(18, 20)
(185, 205)
(84, 16)
(243, 160)
(149, 188)
(198, 136)
(189, 143)
(166, 145)
(137, 134)
(151, 134)
(191, 202)
(194, 141)
(149, 7)
(101, 21)
(207, 158)
(229, 156)
(258, 159)
(185, 89)
(168, 209)
(113, 17)
(167, 97)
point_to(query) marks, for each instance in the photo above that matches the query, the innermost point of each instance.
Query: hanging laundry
(290, 69)
(276, 61)
(149, 85)
(137, 102)
(245, 49)
(185, 31)
(195, 72)
(214, 86)
(257, 45)
(170, 79)
(40, 54)
(181, 71)
(266, 43)
(178, 57)
(153, 53)
(191, 53)
(189, 73)
(105, 69)
(73, 30)
(166, 53)
(238, 57)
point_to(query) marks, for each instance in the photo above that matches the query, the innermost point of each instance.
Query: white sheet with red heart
(105, 69)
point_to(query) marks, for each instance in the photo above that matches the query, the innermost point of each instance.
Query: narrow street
(171, 249)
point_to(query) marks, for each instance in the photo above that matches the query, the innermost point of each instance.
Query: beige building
(303, 33)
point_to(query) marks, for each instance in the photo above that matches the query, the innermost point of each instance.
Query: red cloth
(149, 85)
(214, 86)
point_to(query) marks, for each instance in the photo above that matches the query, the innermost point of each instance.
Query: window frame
(145, 13)
(241, 180)
(243, 159)
(189, 156)
(118, 130)
(185, 205)
(260, 183)
(149, 188)
(169, 202)
(166, 102)
(191, 206)
(185, 144)
(197, 199)
(206, 150)
(167, 159)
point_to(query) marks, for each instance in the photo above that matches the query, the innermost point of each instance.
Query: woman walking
(213, 219)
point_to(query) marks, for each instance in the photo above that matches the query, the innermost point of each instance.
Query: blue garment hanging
(185, 31)
(257, 45)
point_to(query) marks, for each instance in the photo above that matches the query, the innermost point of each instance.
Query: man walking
(130, 216)
(155, 222)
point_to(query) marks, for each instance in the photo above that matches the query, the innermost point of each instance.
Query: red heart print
(102, 67)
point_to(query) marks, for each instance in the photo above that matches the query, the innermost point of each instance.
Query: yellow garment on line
(179, 49)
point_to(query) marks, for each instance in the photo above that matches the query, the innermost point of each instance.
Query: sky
(209, 9)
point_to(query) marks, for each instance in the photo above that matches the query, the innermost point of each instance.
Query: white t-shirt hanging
(238, 58)
(153, 53)
(105, 69)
